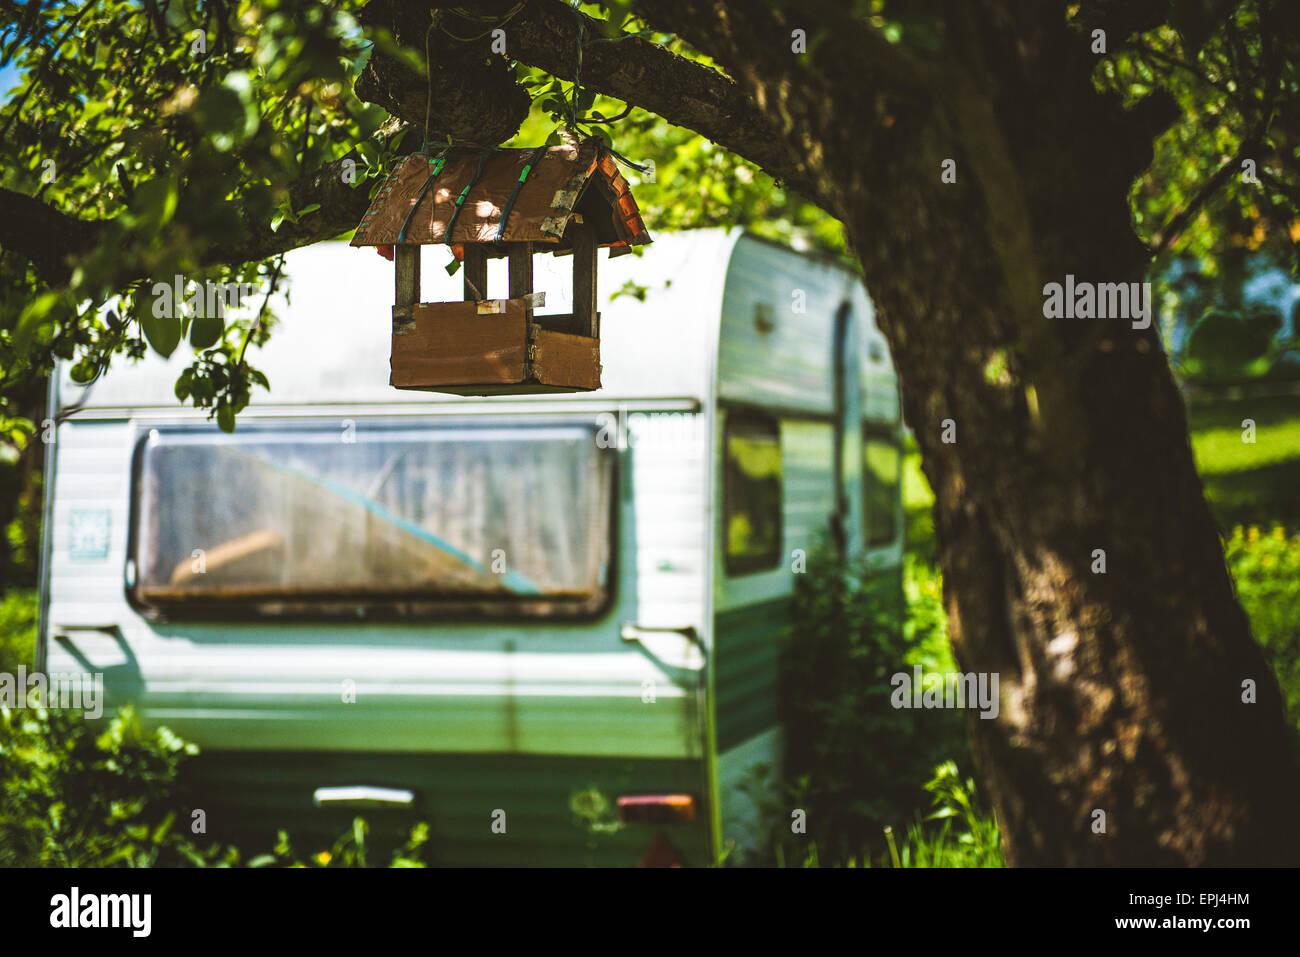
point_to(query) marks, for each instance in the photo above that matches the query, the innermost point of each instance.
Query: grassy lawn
(1249, 483)
(1246, 483)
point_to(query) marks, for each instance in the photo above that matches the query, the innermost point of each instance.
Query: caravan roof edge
(660, 322)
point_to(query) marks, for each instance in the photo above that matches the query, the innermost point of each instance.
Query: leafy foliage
(958, 832)
(1265, 567)
(174, 129)
(1236, 85)
(73, 795)
(1230, 346)
(350, 850)
(855, 761)
(1222, 191)
(691, 183)
(77, 794)
(17, 629)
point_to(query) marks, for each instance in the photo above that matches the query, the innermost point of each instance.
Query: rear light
(656, 808)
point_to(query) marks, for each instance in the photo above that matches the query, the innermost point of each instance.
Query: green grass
(1249, 483)
(957, 832)
(1245, 483)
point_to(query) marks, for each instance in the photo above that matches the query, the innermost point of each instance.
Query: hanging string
(445, 145)
(619, 157)
(573, 107)
(622, 115)
(428, 75)
(577, 70)
(468, 16)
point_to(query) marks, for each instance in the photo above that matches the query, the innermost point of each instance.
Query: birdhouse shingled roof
(537, 192)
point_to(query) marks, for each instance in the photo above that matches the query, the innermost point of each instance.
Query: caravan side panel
(540, 718)
(796, 334)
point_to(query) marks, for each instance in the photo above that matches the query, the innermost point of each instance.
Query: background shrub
(854, 762)
(17, 629)
(78, 794)
(1265, 566)
(74, 794)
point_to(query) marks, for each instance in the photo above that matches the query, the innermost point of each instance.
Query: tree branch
(52, 240)
(1251, 144)
(475, 97)
(486, 106)
(685, 93)
(44, 236)
(67, 26)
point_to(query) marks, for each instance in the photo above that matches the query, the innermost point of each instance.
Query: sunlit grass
(1246, 483)
(1221, 451)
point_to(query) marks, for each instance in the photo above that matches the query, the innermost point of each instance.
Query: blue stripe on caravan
(747, 645)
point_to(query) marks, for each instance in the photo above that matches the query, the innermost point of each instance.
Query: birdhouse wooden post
(568, 199)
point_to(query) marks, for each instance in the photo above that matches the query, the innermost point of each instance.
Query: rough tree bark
(1121, 692)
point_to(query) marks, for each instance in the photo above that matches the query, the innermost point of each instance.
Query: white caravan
(548, 625)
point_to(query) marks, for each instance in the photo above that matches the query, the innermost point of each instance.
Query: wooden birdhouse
(568, 199)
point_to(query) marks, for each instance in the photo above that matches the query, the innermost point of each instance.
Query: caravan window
(405, 518)
(881, 471)
(751, 493)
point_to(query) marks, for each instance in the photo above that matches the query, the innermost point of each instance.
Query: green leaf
(82, 372)
(226, 418)
(35, 313)
(155, 202)
(164, 334)
(206, 331)
(226, 116)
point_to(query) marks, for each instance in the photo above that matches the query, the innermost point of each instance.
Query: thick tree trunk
(1121, 692)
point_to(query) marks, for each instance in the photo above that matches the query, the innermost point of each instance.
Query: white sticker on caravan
(89, 533)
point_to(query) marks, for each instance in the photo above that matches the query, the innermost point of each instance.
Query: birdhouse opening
(568, 200)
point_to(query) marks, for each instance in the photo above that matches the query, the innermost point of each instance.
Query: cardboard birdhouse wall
(568, 199)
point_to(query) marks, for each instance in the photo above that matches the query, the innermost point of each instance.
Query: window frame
(889, 433)
(739, 566)
(379, 607)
